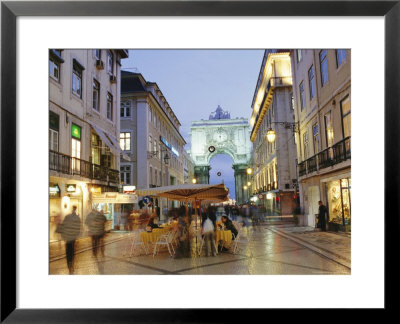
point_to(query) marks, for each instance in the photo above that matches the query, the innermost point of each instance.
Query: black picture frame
(11, 10)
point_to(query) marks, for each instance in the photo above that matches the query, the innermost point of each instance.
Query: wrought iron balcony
(338, 153)
(312, 164)
(69, 165)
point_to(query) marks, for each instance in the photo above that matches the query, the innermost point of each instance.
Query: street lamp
(249, 171)
(271, 134)
(194, 180)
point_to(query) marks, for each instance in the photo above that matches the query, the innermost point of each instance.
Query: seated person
(151, 225)
(229, 226)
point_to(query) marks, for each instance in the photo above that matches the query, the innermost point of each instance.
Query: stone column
(240, 181)
(202, 174)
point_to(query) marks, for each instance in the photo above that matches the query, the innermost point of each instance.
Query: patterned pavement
(274, 249)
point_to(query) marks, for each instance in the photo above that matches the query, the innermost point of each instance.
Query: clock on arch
(220, 136)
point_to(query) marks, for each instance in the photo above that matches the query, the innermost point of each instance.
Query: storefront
(114, 205)
(55, 210)
(63, 194)
(339, 204)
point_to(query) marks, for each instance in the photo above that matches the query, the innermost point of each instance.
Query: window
(155, 146)
(305, 142)
(316, 138)
(96, 95)
(340, 57)
(125, 109)
(299, 56)
(150, 143)
(96, 148)
(150, 114)
(76, 154)
(328, 129)
(155, 177)
(55, 61)
(346, 117)
(125, 141)
(54, 69)
(302, 96)
(324, 67)
(291, 101)
(97, 53)
(125, 173)
(110, 62)
(109, 106)
(151, 175)
(54, 121)
(77, 82)
(311, 80)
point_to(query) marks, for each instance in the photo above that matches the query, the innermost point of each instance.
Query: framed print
(30, 290)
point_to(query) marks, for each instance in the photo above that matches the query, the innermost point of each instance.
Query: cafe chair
(200, 242)
(134, 241)
(241, 238)
(165, 239)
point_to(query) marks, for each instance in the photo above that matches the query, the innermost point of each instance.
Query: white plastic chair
(134, 240)
(165, 239)
(241, 238)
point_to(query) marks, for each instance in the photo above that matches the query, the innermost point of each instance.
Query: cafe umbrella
(188, 192)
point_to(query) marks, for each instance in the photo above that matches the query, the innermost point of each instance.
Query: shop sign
(260, 196)
(128, 189)
(269, 196)
(114, 198)
(162, 139)
(71, 187)
(76, 131)
(54, 190)
(175, 151)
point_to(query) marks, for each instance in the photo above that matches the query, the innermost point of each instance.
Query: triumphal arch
(221, 134)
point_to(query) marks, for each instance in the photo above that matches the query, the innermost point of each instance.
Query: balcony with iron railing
(66, 164)
(338, 153)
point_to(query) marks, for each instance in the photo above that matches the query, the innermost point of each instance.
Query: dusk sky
(195, 82)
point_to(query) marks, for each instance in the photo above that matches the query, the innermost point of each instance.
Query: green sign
(75, 131)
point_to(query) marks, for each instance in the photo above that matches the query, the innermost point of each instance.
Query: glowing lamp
(271, 135)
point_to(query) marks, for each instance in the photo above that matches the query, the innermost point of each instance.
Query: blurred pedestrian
(208, 228)
(322, 211)
(96, 222)
(70, 229)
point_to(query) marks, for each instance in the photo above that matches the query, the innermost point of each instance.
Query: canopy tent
(189, 192)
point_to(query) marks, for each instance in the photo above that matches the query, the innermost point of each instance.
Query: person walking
(96, 222)
(208, 227)
(70, 229)
(322, 211)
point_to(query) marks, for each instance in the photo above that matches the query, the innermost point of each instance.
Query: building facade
(273, 182)
(149, 137)
(322, 100)
(84, 153)
(188, 168)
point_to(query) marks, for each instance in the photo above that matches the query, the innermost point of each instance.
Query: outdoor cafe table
(152, 237)
(225, 236)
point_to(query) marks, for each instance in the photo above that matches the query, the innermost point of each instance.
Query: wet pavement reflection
(268, 253)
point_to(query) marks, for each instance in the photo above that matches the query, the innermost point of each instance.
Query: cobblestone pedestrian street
(273, 250)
